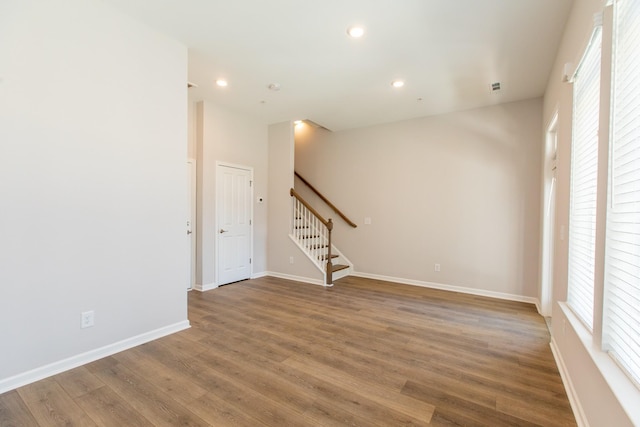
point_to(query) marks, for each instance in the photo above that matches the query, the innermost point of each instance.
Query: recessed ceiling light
(397, 83)
(274, 87)
(297, 122)
(222, 83)
(355, 31)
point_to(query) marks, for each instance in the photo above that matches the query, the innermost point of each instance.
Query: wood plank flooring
(271, 352)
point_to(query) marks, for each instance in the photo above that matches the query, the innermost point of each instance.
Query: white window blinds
(584, 177)
(621, 322)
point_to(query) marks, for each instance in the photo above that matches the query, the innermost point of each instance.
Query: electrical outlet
(86, 319)
(436, 267)
(290, 260)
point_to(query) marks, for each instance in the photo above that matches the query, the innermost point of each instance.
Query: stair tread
(339, 267)
(324, 257)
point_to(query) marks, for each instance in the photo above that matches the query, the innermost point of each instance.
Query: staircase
(312, 233)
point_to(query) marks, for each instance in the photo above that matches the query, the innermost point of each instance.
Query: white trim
(54, 368)
(597, 27)
(553, 118)
(441, 286)
(578, 412)
(193, 209)
(259, 275)
(548, 230)
(432, 285)
(315, 262)
(341, 258)
(296, 278)
(204, 288)
(210, 286)
(625, 392)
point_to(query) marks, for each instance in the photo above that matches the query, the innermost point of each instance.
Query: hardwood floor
(271, 352)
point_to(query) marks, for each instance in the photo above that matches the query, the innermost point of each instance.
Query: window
(584, 180)
(621, 320)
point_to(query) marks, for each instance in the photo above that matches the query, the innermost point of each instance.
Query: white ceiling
(447, 51)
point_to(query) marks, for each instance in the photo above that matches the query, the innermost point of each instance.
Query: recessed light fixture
(297, 122)
(355, 31)
(222, 83)
(397, 83)
(274, 87)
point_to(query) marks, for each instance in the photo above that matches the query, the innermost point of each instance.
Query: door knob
(223, 231)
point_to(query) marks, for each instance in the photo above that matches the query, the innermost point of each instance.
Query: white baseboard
(460, 289)
(295, 278)
(578, 412)
(203, 288)
(539, 308)
(43, 372)
(210, 286)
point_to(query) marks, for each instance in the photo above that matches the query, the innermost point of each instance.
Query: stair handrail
(306, 204)
(328, 224)
(324, 199)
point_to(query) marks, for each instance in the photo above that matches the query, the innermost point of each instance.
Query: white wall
(581, 361)
(281, 247)
(461, 190)
(92, 184)
(192, 129)
(224, 136)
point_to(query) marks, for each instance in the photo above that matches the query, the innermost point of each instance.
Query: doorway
(234, 188)
(548, 218)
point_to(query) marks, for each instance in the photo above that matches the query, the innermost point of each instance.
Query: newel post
(329, 279)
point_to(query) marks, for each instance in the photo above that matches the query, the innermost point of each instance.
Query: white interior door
(233, 201)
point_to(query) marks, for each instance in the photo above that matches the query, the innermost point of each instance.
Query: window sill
(627, 394)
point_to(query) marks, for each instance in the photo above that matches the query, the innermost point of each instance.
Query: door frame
(191, 218)
(219, 165)
(548, 217)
